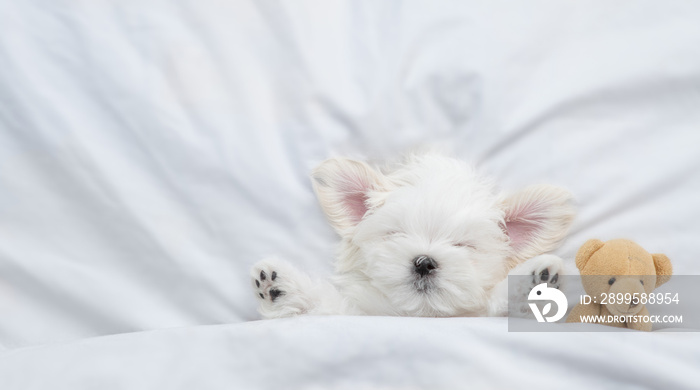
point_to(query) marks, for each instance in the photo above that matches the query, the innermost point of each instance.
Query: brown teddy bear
(618, 276)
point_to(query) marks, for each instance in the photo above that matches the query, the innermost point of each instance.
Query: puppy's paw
(532, 272)
(547, 270)
(266, 282)
(543, 269)
(279, 287)
(267, 288)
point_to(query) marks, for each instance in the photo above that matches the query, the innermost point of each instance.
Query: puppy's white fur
(428, 205)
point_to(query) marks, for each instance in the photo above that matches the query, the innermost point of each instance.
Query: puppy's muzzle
(424, 265)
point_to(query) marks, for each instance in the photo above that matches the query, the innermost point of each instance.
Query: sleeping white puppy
(428, 237)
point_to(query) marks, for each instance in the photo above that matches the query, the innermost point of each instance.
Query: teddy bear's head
(620, 267)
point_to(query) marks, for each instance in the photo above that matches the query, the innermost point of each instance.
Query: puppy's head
(431, 235)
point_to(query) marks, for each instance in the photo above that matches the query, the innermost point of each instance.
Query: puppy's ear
(536, 218)
(342, 187)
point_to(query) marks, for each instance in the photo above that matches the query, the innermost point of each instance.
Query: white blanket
(359, 353)
(151, 151)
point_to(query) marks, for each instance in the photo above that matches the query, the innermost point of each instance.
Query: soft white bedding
(151, 151)
(358, 353)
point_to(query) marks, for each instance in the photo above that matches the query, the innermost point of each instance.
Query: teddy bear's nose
(424, 264)
(634, 303)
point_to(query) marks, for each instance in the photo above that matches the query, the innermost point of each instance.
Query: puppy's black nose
(424, 265)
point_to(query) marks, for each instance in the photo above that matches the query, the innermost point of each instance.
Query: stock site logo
(543, 293)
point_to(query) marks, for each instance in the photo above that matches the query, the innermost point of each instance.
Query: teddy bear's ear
(586, 251)
(663, 268)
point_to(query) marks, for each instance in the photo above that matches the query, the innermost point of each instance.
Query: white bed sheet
(151, 151)
(358, 353)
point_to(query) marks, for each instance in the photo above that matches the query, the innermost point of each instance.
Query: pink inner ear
(522, 224)
(354, 196)
(520, 233)
(355, 205)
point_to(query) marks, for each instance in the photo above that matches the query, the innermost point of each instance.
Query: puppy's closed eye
(392, 234)
(465, 244)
